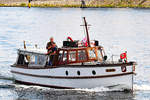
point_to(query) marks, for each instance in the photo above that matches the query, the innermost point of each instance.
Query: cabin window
(41, 59)
(92, 53)
(99, 53)
(33, 59)
(82, 55)
(37, 60)
(60, 57)
(65, 57)
(72, 56)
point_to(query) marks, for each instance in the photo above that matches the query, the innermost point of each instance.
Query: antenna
(87, 33)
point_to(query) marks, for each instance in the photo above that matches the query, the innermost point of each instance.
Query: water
(117, 29)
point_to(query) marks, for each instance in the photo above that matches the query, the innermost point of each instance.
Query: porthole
(67, 73)
(94, 72)
(78, 72)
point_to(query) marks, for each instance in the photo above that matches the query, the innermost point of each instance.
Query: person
(51, 50)
(51, 46)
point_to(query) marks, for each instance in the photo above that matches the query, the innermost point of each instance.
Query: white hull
(56, 77)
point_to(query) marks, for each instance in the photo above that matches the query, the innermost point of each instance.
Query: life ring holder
(123, 68)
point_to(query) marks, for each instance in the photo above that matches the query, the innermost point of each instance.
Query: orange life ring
(123, 68)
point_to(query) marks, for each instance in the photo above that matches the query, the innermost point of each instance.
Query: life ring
(123, 68)
(69, 38)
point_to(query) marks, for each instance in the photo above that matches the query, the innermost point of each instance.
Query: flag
(84, 41)
(123, 56)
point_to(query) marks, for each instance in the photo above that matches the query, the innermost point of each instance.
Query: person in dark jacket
(51, 50)
(50, 45)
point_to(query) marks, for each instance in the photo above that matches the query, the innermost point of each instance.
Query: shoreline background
(78, 3)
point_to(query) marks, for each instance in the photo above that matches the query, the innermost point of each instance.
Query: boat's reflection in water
(38, 93)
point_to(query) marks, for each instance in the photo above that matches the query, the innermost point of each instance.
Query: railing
(112, 60)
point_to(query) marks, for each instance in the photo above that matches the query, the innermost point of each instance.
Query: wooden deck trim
(77, 66)
(73, 77)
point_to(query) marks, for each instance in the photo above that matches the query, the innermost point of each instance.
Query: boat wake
(6, 82)
(38, 92)
(143, 87)
(119, 88)
(116, 88)
(6, 78)
(7, 86)
(97, 89)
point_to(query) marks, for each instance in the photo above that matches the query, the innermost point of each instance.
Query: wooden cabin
(66, 56)
(63, 56)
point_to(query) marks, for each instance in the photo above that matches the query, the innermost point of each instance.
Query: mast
(87, 33)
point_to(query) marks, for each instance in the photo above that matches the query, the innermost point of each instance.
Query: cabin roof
(33, 50)
(77, 48)
(44, 51)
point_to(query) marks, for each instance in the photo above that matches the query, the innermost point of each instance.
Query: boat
(77, 64)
